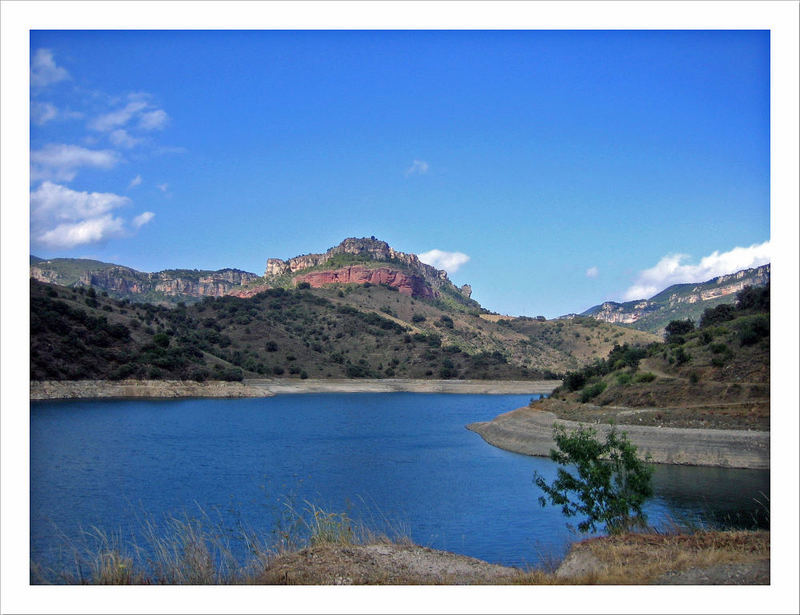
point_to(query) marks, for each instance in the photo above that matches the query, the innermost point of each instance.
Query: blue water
(402, 457)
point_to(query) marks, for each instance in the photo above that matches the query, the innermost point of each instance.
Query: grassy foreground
(315, 547)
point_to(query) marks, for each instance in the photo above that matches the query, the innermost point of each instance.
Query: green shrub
(624, 378)
(611, 485)
(644, 377)
(592, 391)
(753, 329)
(716, 315)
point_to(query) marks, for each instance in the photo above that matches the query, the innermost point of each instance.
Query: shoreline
(165, 389)
(530, 432)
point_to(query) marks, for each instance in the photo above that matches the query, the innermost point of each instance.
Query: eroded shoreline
(138, 389)
(530, 432)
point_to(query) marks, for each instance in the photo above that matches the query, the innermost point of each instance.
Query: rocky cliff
(361, 260)
(411, 285)
(125, 282)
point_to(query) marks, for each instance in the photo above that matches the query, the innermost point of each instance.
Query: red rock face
(411, 285)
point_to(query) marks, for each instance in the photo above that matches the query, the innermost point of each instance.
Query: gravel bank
(89, 389)
(530, 432)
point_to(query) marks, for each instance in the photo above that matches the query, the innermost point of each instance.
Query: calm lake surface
(402, 457)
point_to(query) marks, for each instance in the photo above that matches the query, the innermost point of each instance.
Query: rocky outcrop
(369, 247)
(621, 313)
(411, 285)
(466, 290)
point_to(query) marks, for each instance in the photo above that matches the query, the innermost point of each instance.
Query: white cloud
(61, 162)
(163, 187)
(592, 272)
(418, 167)
(43, 112)
(135, 182)
(120, 117)
(66, 218)
(449, 261)
(142, 219)
(121, 138)
(153, 120)
(94, 230)
(44, 70)
(671, 270)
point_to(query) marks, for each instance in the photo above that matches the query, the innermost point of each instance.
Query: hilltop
(679, 301)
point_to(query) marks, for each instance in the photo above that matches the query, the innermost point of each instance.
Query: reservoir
(397, 461)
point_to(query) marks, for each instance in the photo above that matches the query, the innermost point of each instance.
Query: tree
(611, 485)
(676, 329)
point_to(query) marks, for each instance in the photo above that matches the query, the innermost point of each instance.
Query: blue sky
(570, 167)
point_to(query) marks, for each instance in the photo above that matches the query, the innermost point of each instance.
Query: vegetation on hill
(332, 332)
(713, 374)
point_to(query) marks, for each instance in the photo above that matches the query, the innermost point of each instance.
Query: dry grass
(635, 559)
(314, 546)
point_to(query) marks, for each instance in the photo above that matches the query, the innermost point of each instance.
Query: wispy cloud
(418, 167)
(66, 218)
(117, 118)
(121, 138)
(142, 219)
(43, 112)
(592, 272)
(44, 70)
(61, 162)
(449, 261)
(672, 270)
(135, 182)
(153, 120)
(163, 187)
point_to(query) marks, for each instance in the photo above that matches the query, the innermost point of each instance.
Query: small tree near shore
(611, 485)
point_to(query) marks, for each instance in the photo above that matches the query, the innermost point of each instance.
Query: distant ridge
(679, 301)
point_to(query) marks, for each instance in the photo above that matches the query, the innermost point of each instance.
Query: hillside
(715, 374)
(356, 330)
(679, 301)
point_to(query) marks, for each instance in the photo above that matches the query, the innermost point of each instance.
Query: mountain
(368, 260)
(353, 261)
(679, 301)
